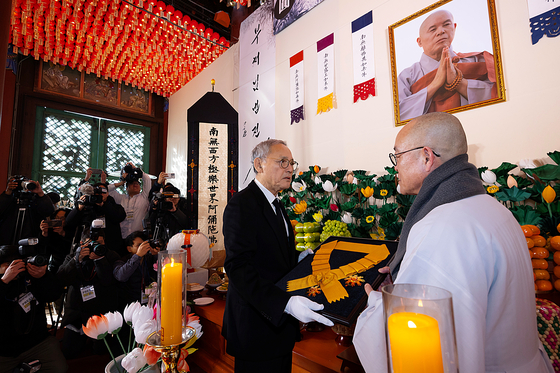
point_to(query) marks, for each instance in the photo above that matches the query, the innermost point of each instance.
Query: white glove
(303, 254)
(302, 309)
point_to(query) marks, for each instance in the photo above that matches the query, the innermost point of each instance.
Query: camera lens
(38, 260)
(99, 250)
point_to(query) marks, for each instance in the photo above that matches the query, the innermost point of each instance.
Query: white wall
(360, 135)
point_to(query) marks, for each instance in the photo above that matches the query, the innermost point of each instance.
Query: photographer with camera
(135, 271)
(135, 202)
(57, 240)
(88, 273)
(166, 219)
(25, 288)
(96, 203)
(22, 207)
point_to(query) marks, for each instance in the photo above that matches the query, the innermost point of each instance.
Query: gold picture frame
(474, 26)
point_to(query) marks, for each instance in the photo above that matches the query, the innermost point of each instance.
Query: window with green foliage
(67, 144)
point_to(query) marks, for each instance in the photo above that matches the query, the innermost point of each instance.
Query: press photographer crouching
(166, 219)
(25, 287)
(88, 273)
(94, 202)
(22, 207)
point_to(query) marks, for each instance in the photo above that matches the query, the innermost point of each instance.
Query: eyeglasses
(284, 163)
(393, 156)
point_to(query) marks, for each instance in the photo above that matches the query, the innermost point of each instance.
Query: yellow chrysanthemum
(492, 189)
(369, 219)
(383, 192)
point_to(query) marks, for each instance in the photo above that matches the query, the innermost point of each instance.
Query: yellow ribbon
(327, 278)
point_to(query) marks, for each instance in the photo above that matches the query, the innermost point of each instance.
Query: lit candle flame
(420, 304)
(411, 324)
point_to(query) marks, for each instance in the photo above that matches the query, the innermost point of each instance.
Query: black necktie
(279, 215)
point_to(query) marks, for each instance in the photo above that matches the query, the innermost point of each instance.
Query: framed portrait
(446, 57)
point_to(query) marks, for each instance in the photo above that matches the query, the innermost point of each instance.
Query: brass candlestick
(170, 354)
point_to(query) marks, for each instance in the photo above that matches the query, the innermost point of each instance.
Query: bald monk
(443, 79)
(458, 238)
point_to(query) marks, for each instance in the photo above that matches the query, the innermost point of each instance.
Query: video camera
(132, 173)
(24, 184)
(162, 204)
(29, 250)
(94, 195)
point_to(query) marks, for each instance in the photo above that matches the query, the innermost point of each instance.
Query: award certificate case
(343, 295)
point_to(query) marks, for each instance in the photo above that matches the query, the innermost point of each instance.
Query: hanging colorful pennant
(296, 87)
(543, 15)
(325, 71)
(362, 47)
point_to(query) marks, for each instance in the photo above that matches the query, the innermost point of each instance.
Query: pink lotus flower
(182, 365)
(151, 355)
(97, 327)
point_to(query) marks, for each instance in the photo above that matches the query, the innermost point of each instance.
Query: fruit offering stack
(335, 228)
(539, 255)
(307, 235)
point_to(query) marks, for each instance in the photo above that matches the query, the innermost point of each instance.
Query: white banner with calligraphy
(213, 186)
(325, 74)
(362, 48)
(257, 59)
(296, 87)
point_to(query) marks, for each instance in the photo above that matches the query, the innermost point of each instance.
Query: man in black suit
(260, 250)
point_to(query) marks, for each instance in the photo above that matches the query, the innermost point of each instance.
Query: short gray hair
(263, 149)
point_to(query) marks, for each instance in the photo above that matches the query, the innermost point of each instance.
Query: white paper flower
(346, 217)
(115, 320)
(399, 188)
(329, 187)
(317, 180)
(142, 315)
(129, 311)
(195, 324)
(299, 187)
(488, 177)
(134, 361)
(355, 181)
(142, 332)
(527, 163)
(511, 182)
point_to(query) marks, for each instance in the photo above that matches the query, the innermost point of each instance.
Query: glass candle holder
(172, 296)
(420, 329)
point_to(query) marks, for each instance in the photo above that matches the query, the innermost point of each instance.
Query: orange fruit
(534, 276)
(557, 257)
(557, 271)
(540, 252)
(539, 264)
(531, 254)
(539, 240)
(541, 274)
(558, 228)
(530, 243)
(555, 242)
(536, 288)
(557, 285)
(528, 232)
(534, 229)
(544, 285)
